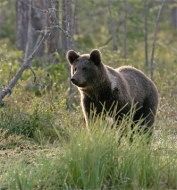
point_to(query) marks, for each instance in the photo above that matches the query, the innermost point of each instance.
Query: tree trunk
(75, 18)
(174, 17)
(53, 40)
(66, 41)
(154, 40)
(32, 19)
(111, 26)
(125, 29)
(22, 10)
(146, 32)
(66, 26)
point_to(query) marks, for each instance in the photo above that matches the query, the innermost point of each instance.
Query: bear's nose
(73, 80)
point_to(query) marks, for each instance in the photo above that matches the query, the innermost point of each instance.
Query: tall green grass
(94, 160)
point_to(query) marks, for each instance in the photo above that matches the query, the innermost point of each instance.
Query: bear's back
(134, 76)
(138, 83)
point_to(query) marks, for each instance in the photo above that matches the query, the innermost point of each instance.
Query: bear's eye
(75, 69)
(84, 68)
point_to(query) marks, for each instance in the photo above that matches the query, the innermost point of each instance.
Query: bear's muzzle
(74, 81)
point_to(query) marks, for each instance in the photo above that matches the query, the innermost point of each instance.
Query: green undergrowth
(38, 120)
(94, 160)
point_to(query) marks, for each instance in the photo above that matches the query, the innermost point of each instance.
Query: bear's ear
(71, 56)
(95, 56)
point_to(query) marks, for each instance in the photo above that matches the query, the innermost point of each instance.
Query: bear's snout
(74, 81)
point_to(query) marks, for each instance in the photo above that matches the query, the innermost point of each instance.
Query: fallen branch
(27, 64)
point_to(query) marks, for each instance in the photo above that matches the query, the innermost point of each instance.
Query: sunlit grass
(94, 160)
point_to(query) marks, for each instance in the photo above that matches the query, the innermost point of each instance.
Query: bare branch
(10, 71)
(25, 65)
(33, 73)
(56, 26)
(35, 77)
(154, 40)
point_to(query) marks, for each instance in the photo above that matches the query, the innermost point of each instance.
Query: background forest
(44, 143)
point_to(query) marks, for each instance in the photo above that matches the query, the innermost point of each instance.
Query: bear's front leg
(86, 106)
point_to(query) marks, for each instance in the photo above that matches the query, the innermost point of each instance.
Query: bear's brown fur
(103, 87)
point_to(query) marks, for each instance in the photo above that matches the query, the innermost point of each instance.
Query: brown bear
(106, 89)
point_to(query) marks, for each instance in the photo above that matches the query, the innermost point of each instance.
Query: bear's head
(85, 69)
